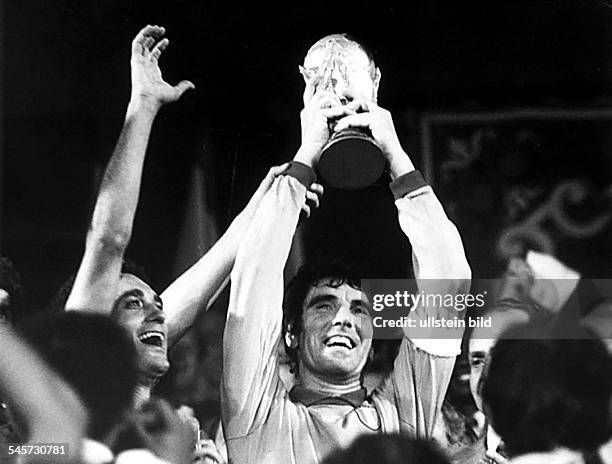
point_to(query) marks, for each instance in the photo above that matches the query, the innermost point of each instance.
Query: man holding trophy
(325, 321)
(342, 79)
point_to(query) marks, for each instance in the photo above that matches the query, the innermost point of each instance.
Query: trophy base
(351, 160)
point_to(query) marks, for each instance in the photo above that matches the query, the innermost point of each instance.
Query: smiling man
(328, 324)
(139, 310)
(104, 283)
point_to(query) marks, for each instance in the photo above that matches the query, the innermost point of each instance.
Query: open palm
(147, 80)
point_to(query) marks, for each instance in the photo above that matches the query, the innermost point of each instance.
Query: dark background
(65, 76)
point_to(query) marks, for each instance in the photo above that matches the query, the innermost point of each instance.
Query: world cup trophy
(351, 159)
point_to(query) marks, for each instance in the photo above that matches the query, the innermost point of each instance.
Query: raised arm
(423, 367)
(254, 320)
(51, 410)
(254, 317)
(110, 230)
(195, 290)
(439, 261)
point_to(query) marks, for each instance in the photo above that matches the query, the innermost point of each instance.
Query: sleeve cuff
(407, 183)
(305, 174)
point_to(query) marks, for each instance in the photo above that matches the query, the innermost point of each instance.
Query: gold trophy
(351, 159)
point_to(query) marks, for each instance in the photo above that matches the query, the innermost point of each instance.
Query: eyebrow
(138, 294)
(322, 299)
(134, 292)
(332, 299)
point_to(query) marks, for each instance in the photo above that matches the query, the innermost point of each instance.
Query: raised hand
(148, 85)
(264, 186)
(313, 194)
(320, 107)
(380, 123)
(313, 198)
(378, 120)
(205, 451)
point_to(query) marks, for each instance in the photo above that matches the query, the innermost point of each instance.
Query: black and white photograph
(347, 232)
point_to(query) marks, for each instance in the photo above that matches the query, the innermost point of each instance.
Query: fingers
(207, 450)
(313, 198)
(496, 458)
(182, 87)
(266, 183)
(309, 91)
(359, 104)
(277, 170)
(326, 99)
(331, 107)
(274, 172)
(317, 188)
(147, 43)
(313, 194)
(328, 104)
(159, 48)
(145, 38)
(354, 120)
(336, 112)
(322, 100)
(306, 210)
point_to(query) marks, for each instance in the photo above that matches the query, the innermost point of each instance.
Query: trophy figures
(352, 159)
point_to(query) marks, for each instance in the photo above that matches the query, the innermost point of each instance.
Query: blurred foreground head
(504, 314)
(95, 356)
(387, 449)
(543, 393)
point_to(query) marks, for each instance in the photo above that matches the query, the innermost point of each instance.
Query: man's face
(482, 341)
(478, 357)
(139, 310)
(336, 332)
(340, 65)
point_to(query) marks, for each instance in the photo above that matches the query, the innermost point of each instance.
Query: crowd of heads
(539, 393)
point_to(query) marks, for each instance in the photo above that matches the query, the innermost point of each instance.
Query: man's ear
(291, 341)
(376, 84)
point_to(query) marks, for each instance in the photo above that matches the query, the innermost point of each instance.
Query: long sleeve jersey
(261, 422)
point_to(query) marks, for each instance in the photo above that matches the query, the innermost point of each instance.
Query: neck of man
(142, 394)
(326, 385)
